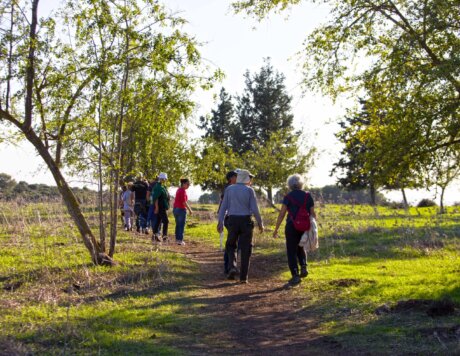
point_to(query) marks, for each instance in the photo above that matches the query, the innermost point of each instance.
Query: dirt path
(264, 317)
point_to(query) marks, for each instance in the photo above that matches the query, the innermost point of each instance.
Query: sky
(235, 44)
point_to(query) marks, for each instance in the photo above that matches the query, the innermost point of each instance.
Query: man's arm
(255, 209)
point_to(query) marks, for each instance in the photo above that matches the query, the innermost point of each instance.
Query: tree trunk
(372, 193)
(406, 204)
(118, 154)
(98, 255)
(441, 202)
(270, 195)
(102, 232)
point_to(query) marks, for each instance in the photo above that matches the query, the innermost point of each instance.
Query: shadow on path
(263, 317)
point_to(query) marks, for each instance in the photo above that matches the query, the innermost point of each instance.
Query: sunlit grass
(54, 301)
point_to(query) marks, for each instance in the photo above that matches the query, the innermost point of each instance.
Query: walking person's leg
(292, 243)
(230, 246)
(180, 216)
(165, 221)
(137, 212)
(302, 258)
(245, 246)
(226, 261)
(127, 219)
(156, 227)
(143, 216)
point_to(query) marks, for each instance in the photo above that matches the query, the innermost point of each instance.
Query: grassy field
(384, 281)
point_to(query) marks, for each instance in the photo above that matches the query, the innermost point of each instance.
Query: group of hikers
(148, 203)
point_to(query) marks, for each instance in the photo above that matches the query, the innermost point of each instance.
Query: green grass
(367, 260)
(52, 300)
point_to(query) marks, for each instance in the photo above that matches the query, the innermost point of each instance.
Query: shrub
(426, 203)
(394, 204)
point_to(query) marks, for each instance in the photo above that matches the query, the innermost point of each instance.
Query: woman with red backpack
(300, 206)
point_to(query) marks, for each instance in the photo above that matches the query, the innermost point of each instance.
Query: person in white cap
(160, 199)
(239, 204)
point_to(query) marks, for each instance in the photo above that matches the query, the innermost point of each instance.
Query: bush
(394, 204)
(424, 203)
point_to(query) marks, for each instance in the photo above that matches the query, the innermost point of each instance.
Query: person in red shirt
(180, 208)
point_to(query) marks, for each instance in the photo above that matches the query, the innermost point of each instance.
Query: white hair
(295, 182)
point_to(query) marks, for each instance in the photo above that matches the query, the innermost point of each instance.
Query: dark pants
(296, 254)
(240, 230)
(162, 217)
(152, 218)
(140, 209)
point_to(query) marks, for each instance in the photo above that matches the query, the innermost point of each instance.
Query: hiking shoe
(244, 281)
(138, 229)
(303, 271)
(165, 238)
(155, 238)
(232, 273)
(295, 280)
(146, 231)
(182, 243)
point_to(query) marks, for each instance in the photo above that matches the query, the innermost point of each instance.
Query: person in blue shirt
(231, 179)
(239, 204)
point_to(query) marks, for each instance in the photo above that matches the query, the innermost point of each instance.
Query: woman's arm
(281, 216)
(312, 212)
(188, 207)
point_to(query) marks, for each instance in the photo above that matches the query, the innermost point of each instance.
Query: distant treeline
(331, 194)
(12, 190)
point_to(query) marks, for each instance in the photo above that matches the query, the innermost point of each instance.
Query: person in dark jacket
(140, 189)
(296, 254)
(160, 199)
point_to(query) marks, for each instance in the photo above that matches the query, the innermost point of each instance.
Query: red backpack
(302, 219)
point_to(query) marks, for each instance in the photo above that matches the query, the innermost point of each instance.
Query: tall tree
(263, 108)
(444, 169)
(220, 126)
(408, 67)
(273, 160)
(361, 164)
(212, 162)
(105, 53)
(259, 132)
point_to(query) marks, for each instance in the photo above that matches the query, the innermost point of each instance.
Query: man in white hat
(239, 204)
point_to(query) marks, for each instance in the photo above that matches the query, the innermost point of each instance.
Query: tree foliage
(221, 126)
(91, 85)
(402, 56)
(360, 166)
(257, 134)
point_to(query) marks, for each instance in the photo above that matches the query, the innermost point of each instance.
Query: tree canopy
(402, 57)
(95, 84)
(257, 133)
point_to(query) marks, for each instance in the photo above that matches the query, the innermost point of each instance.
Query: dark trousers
(152, 218)
(296, 254)
(240, 230)
(162, 217)
(140, 209)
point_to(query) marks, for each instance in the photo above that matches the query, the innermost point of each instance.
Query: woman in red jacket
(180, 210)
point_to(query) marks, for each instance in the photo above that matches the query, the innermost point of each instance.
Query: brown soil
(264, 317)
